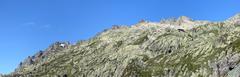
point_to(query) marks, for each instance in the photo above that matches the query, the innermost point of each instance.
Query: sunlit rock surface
(171, 48)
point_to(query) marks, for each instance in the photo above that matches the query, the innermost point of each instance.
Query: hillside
(179, 47)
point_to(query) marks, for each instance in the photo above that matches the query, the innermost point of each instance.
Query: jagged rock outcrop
(41, 58)
(171, 48)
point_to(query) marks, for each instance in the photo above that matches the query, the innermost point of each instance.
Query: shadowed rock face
(202, 49)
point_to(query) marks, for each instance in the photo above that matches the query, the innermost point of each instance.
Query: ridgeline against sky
(27, 26)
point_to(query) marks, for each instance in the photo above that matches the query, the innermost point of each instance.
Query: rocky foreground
(171, 48)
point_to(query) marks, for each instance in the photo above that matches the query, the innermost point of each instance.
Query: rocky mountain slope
(171, 48)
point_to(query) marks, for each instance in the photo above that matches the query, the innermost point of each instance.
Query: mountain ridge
(172, 47)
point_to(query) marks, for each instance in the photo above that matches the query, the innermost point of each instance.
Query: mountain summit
(235, 19)
(184, 19)
(171, 48)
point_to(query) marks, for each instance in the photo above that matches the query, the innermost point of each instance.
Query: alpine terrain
(179, 47)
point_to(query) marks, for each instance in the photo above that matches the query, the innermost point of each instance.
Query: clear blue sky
(27, 26)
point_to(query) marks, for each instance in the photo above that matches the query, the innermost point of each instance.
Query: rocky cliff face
(171, 48)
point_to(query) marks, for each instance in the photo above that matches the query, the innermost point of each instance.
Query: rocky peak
(41, 55)
(58, 46)
(235, 19)
(237, 16)
(184, 19)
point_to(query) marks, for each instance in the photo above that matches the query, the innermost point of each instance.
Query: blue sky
(27, 26)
